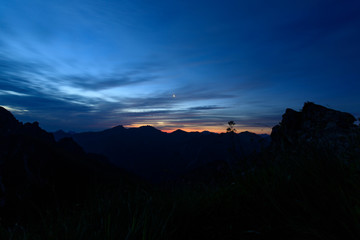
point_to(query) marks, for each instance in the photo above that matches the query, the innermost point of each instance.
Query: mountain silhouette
(219, 185)
(156, 155)
(33, 165)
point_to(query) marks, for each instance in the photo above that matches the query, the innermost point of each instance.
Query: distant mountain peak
(207, 132)
(178, 131)
(118, 127)
(247, 133)
(149, 128)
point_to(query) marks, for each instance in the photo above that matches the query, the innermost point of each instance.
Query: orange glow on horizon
(214, 129)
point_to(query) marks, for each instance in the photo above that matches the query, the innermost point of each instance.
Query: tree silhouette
(231, 128)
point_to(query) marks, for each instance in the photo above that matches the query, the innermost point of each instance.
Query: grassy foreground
(292, 196)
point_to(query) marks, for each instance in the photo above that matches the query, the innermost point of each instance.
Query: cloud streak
(20, 89)
(102, 64)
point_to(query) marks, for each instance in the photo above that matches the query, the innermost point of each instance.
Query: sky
(88, 65)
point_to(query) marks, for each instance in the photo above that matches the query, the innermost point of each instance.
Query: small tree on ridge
(231, 128)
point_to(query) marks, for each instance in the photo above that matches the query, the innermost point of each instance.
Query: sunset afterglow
(193, 65)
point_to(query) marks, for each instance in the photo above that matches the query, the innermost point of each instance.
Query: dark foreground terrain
(305, 185)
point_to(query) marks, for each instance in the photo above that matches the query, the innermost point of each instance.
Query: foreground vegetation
(307, 195)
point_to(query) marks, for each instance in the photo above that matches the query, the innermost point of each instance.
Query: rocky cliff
(318, 127)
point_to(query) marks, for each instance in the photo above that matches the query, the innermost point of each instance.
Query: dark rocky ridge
(33, 164)
(8, 122)
(318, 126)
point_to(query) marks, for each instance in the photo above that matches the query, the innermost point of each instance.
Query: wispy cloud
(105, 82)
(204, 108)
(106, 63)
(46, 97)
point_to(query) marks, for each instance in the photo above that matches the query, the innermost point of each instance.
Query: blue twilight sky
(94, 64)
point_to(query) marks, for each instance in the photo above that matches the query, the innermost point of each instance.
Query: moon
(174, 96)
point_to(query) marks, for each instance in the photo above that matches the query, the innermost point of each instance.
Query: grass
(308, 195)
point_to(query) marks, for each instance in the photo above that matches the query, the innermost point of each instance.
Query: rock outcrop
(319, 127)
(8, 122)
(10, 126)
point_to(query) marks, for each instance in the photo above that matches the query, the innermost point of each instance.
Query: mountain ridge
(146, 150)
(32, 164)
